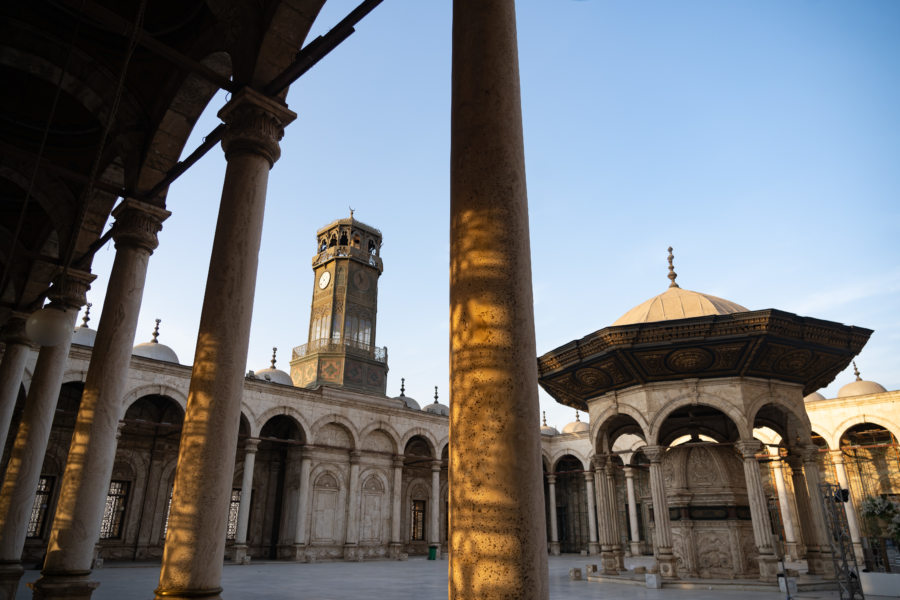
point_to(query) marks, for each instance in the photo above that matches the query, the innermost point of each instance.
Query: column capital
(255, 125)
(398, 461)
(354, 457)
(14, 330)
(654, 453)
(598, 461)
(748, 448)
(251, 445)
(809, 453)
(589, 477)
(70, 291)
(837, 456)
(629, 471)
(137, 224)
(436, 465)
(551, 479)
(794, 461)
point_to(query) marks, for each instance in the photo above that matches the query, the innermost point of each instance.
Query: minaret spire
(156, 332)
(403, 386)
(274, 350)
(87, 314)
(672, 273)
(856, 372)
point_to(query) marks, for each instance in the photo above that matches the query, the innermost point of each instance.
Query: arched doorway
(571, 505)
(276, 477)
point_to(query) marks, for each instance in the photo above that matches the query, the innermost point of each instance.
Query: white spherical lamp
(48, 326)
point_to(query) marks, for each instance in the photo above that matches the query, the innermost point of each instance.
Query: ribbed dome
(576, 426)
(154, 350)
(84, 335)
(436, 408)
(814, 397)
(860, 387)
(409, 402)
(272, 374)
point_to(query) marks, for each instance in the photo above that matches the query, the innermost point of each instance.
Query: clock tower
(341, 350)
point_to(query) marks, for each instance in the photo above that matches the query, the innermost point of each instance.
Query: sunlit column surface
(434, 528)
(608, 563)
(15, 354)
(632, 512)
(664, 557)
(759, 513)
(395, 548)
(76, 526)
(554, 530)
(300, 538)
(241, 555)
(351, 547)
(837, 457)
(195, 542)
(23, 470)
(498, 545)
(787, 515)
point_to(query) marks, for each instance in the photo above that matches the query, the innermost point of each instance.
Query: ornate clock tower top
(341, 347)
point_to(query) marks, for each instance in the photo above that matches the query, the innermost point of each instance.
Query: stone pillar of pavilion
(15, 354)
(241, 554)
(593, 546)
(82, 498)
(27, 457)
(759, 514)
(351, 547)
(434, 522)
(616, 539)
(554, 528)
(396, 546)
(817, 511)
(632, 512)
(665, 559)
(195, 543)
(791, 550)
(300, 538)
(837, 458)
(498, 545)
(608, 563)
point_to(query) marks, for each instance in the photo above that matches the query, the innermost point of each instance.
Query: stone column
(837, 457)
(554, 528)
(396, 503)
(498, 546)
(351, 547)
(664, 557)
(300, 538)
(759, 514)
(608, 563)
(801, 496)
(11, 369)
(817, 511)
(192, 560)
(787, 515)
(632, 512)
(85, 483)
(434, 527)
(614, 536)
(593, 546)
(27, 457)
(241, 553)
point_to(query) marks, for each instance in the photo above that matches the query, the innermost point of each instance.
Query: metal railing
(346, 251)
(351, 347)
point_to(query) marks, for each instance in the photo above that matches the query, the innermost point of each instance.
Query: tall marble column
(498, 546)
(787, 513)
(11, 370)
(434, 521)
(27, 457)
(837, 458)
(801, 496)
(554, 528)
(351, 547)
(759, 513)
(241, 553)
(593, 546)
(195, 544)
(300, 536)
(614, 536)
(608, 563)
(664, 557)
(82, 498)
(396, 502)
(632, 512)
(816, 510)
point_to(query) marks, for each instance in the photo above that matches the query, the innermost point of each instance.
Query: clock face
(324, 280)
(361, 280)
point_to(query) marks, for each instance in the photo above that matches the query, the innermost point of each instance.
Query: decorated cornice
(769, 344)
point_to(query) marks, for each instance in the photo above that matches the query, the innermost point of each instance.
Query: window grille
(233, 508)
(114, 512)
(39, 507)
(418, 520)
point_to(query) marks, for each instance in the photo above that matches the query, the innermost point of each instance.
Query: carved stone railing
(350, 347)
(347, 251)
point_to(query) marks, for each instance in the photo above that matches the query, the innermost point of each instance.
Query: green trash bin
(432, 552)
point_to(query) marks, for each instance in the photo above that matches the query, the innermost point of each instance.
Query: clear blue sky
(760, 139)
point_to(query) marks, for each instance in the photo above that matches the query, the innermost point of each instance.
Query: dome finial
(435, 395)
(87, 314)
(545, 418)
(672, 273)
(856, 372)
(274, 351)
(351, 211)
(402, 386)
(577, 417)
(155, 339)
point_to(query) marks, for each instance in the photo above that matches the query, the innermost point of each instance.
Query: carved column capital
(436, 465)
(837, 457)
(354, 457)
(70, 291)
(137, 224)
(598, 461)
(551, 479)
(14, 330)
(794, 461)
(654, 453)
(398, 461)
(589, 477)
(748, 448)
(629, 472)
(255, 125)
(251, 445)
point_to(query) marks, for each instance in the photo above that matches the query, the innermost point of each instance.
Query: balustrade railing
(346, 251)
(351, 347)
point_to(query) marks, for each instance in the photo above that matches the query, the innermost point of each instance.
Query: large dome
(272, 374)
(860, 387)
(436, 408)
(576, 426)
(154, 350)
(407, 400)
(547, 429)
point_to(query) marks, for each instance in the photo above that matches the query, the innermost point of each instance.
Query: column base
(819, 563)
(636, 548)
(620, 558)
(241, 555)
(593, 549)
(63, 587)
(768, 567)
(608, 562)
(666, 564)
(395, 551)
(213, 594)
(10, 575)
(792, 550)
(298, 553)
(554, 548)
(351, 552)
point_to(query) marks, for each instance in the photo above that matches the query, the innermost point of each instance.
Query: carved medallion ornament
(689, 360)
(592, 377)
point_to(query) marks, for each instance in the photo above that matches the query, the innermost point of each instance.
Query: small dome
(576, 426)
(860, 387)
(154, 350)
(436, 408)
(84, 335)
(272, 374)
(678, 303)
(407, 401)
(547, 429)
(814, 397)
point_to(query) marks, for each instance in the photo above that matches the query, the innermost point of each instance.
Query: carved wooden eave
(769, 344)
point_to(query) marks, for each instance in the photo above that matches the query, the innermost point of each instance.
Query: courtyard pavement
(414, 579)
